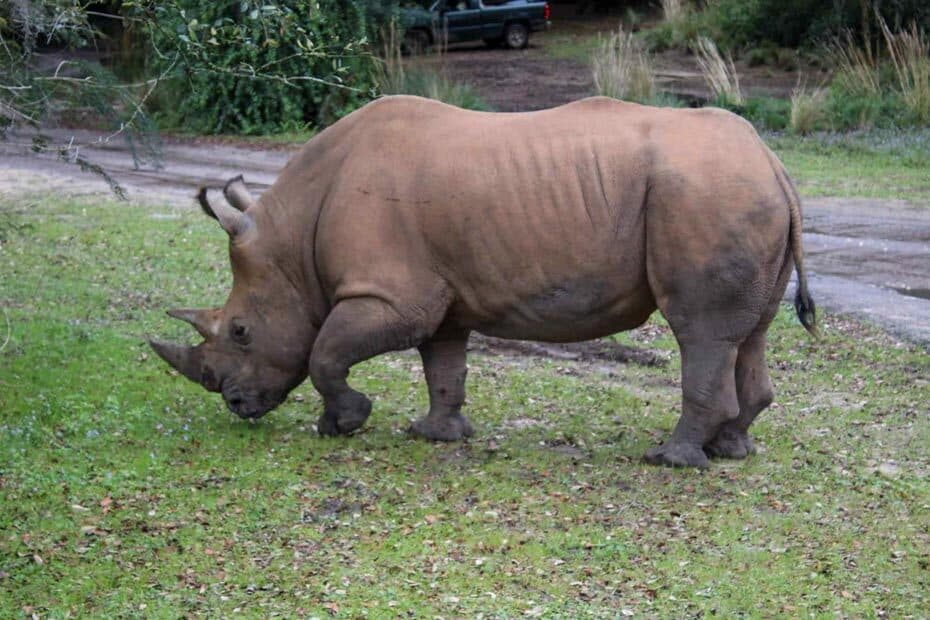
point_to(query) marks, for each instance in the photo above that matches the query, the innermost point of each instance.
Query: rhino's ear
(238, 194)
(233, 221)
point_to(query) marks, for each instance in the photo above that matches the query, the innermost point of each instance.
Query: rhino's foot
(345, 416)
(730, 443)
(672, 454)
(442, 427)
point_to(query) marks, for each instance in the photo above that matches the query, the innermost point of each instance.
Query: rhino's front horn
(233, 221)
(206, 322)
(186, 360)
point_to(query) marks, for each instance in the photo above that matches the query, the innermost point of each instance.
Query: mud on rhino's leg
(356, 330)
(708, 401)
(444, 365)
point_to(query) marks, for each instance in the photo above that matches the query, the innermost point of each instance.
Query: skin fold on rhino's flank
(411, 223)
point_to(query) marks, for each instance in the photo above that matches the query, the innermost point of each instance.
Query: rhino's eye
(239, 332)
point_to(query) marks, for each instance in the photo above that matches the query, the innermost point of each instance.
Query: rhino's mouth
(249, 406)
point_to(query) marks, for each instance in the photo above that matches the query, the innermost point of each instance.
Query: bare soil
(536, 79)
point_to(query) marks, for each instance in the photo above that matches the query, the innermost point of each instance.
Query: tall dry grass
(623, 69)
(395, 78)
(808, 108)
(720, 75)
(910, 54)
(673, 9)
(857, 70)
(391, 73)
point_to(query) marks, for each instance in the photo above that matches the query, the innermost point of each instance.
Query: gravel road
(867, 258)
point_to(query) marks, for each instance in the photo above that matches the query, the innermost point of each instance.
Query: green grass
(873, 164)
(127, 491)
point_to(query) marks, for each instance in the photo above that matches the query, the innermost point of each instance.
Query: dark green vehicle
(496, 22)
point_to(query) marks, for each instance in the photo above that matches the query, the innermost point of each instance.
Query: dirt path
(868, 258)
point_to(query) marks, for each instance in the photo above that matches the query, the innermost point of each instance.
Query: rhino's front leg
(444, 366)
(356, 329)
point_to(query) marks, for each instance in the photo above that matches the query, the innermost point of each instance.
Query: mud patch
(587, 351)
(919, 293)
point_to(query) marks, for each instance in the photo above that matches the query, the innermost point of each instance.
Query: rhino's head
(257, 346)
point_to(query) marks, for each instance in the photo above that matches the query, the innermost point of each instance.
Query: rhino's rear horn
(233, 221)
(238, 194)
(206, 322)
(186, 360)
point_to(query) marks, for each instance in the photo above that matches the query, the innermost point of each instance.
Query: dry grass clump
(807, 108)
(720, 75)
(623, 69)
(856, 67)
(394, 78)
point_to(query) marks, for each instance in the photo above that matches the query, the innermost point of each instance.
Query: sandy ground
(867, 258)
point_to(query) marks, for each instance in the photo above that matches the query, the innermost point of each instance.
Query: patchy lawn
(880, 163)
(127, 491)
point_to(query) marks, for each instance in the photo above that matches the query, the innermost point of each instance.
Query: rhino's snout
(249, 406)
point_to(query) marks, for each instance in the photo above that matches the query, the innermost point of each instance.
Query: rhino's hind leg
(709, 400)
(754, 389)
(445, 369)
(356, 330)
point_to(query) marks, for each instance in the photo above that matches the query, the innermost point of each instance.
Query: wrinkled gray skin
(411, 223)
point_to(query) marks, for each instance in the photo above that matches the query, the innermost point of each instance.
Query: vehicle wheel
(493, 43)
(416, 42)
(516, 36)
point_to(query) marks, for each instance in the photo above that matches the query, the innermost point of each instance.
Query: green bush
(251, 67)
(793, 23)
(766, 113)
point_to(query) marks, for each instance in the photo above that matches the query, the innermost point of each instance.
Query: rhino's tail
(803, 302)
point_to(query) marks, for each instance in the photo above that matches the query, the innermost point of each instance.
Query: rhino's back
(534, 219)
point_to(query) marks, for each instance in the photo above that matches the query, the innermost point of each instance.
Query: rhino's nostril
(235, 402)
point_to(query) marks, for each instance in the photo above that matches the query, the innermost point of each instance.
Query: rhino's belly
(568, 313)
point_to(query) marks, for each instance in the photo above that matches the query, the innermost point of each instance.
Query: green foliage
(251, 67)
(766, 113)
(792, 23)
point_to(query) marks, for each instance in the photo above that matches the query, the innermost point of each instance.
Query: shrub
(253, 67)
(622, 68)
(792, 23)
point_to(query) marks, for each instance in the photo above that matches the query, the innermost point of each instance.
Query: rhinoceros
(411, 223)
